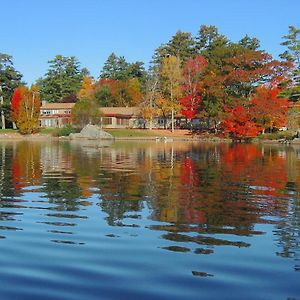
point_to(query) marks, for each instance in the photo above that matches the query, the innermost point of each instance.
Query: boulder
(92, 132)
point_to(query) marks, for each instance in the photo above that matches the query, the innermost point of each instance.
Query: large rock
(92, 132)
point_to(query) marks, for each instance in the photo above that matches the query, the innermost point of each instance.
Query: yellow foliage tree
(163, 108)
(171, 75)
(88, 88)
(27, 119)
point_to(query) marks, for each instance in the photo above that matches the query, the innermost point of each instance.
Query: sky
(34, 31)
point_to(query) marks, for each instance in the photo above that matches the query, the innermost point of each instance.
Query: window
(160, 121)
(46, 112)
(106, 121)
(122, 122)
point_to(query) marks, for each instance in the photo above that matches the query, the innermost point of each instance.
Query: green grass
(46, 130)
(277, 135)
(131, 133)
(3, 131)
(42, 131)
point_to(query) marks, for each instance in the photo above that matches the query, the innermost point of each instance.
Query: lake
(149, 220)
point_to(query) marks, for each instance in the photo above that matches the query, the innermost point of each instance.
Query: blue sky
(34, 31)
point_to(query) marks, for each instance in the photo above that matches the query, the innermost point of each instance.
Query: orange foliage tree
(268, 109)
(111, 92)
(238, 123)
(87, 88)
(25, 109)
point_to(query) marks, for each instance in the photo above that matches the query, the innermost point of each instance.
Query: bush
(64, 131)
(287, 135)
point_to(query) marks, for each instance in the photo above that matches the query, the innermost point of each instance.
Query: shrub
(64, 131)
(287, 135)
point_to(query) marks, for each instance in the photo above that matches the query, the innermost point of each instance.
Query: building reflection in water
(199, 195)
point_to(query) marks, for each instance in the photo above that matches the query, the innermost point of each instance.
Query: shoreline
(161, 137)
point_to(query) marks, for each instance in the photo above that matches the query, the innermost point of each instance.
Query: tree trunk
(2, 112)
(172, 114)
(2, 119)
(172, 120)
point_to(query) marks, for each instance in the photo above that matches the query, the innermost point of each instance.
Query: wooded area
(236, 88)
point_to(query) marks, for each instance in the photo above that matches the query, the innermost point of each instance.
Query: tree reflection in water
(196, 192)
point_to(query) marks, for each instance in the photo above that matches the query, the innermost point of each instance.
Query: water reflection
(198, 199)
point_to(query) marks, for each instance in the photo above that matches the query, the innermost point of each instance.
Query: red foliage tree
(191, 86)
(267, 109)
(191, 105)
(17, 97)
(238, 123)
(25, 109)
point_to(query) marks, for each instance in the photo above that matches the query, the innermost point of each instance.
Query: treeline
(236, 87)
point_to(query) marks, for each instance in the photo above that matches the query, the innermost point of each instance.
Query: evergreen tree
(117, 68)
(209, 38)
(181, 45)
(10, 78)
(249, 43)
(292, 54)
(63, 79)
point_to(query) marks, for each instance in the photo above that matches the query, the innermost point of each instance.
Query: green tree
(292, 54)
(117, 68)
(292, 42)
(114, 68)
(10, 78)
(85, 111)
(181, 45)
(208, 39)
(103, 95)
(233, 72)
(250, 43)
(62, 79)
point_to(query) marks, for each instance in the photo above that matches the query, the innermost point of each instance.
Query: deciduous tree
(17, 97)
(111, 92)
(191, 86)
(171, 77)
(238, 124)
(267, 109)
(85, 111)
(26, 109)
(87, 88)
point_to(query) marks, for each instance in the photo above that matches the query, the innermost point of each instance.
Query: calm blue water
(149, 221)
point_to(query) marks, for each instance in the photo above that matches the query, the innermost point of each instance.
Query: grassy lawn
(3, 131)
(42, 131)
(131, 132)
(147, 133)
(46, 130)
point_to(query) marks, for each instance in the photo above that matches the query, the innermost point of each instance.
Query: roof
(57, 106)
(106, 111)
(120, 111)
